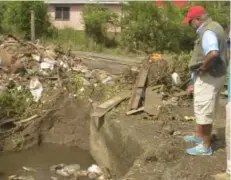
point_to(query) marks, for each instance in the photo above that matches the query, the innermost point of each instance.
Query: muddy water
(41, 158)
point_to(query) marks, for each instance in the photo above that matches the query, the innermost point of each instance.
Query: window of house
(62, 13)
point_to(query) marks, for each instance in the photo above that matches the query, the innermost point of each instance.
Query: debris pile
(72, 171)
(157, 84)
(32, 76)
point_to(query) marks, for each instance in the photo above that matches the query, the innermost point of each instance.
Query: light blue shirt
(209, 42)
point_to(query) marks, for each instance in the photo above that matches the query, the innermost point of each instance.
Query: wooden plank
(139, 86)
(114, 100)
(152, 101)
(103, 108)
(182, 93)
(135, 111)
(138, 89)
(137, 98)
(141, 80)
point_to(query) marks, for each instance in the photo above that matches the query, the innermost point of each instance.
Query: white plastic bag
(36, 89)
(47, 65)
(176, 79)
(94, 171)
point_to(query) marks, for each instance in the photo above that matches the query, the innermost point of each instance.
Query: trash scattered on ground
(28, 169)
(36, 89)
(14, 177)
(95, 172)
(74, 170)
(189, 118)
(177, 133)
(176, 79)
(47, 65)
(54, 178)
(66, 170)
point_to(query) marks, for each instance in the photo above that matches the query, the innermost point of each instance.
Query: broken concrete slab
(152, 101)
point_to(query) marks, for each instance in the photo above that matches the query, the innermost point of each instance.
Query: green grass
(77, 40)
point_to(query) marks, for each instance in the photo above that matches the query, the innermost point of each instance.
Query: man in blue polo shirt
(208, 64)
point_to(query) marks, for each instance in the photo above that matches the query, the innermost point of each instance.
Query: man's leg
(205, 98)
(207, 135)
(205, 132)
(199, 131)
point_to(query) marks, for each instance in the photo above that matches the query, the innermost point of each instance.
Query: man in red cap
(208, 65)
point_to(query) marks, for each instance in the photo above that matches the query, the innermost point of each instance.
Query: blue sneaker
(193, 139)
(200, 150)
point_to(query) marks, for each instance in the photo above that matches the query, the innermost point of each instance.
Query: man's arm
(210, 48)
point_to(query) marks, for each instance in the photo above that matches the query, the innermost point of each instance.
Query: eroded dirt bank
(142, 147)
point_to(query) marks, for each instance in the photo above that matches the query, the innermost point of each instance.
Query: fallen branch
(135, 111)
(26, 120)
(157, 87)
(16, 39)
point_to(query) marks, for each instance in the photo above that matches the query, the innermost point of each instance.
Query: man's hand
(201, 70)
(209, 58)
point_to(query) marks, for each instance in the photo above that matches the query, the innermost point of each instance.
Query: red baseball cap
(193, 12)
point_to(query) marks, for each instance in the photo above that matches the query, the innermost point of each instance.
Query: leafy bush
(148, 28)
(14, 102)
(145, 27)
(97, 21)
(16, 17)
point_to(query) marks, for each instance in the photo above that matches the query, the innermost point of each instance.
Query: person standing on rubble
(209, 65)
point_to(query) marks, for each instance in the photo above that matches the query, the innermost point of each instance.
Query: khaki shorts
(206, 95)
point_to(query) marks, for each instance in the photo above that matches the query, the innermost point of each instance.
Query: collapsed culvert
(59, 136)
(54, 96)
(63, 135)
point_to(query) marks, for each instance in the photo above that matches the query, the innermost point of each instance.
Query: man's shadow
(219, 139)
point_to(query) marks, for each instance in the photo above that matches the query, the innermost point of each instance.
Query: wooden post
(32, 26)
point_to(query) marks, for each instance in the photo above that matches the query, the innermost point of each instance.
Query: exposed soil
(69, 125)
(65, 121)
(164, 156)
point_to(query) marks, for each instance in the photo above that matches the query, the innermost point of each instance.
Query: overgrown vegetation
(144, 26)
(97, 22)
(16, 16)
(14, 102)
